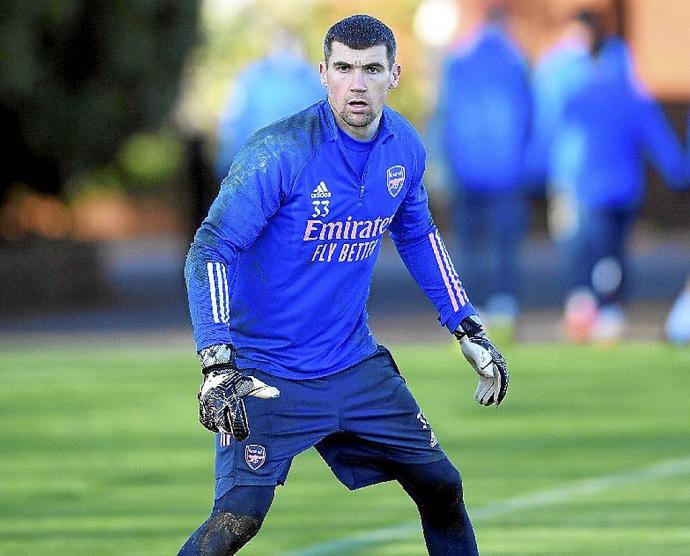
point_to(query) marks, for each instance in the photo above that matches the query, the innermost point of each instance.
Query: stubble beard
(357, 120)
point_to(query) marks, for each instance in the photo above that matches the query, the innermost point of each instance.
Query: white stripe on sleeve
(454, 278)
(221, 296)
(212, 291)
(226, 316)
(442, 268)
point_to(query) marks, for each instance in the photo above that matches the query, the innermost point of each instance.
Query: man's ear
(322, 74)
(395, 76)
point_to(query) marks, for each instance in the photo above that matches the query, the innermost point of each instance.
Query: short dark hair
(360, 32)
(593, 21)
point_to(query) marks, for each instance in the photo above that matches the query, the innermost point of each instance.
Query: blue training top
(605, 131)
(271, 88)
(481, 123)
(282, 265)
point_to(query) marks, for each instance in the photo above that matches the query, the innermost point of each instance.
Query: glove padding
(485, 359)
(221, 403)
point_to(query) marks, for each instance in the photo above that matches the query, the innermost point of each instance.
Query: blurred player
(558, 76)
(677, 325)
(484, 100)
(610, 126)
(273, 87)
(278, 277)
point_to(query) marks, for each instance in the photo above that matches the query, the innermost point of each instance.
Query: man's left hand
(485, 359)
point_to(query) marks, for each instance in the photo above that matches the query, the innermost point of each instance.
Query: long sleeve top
(607, 130)
(282, 265)
(480, 128)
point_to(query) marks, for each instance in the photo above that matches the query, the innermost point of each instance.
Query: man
(278, 85)
(565, 68)
(484, 99)
(278, 277)
(607, 128)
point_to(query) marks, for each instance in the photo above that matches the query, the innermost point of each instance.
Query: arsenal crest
(254, 455)
(395, 178)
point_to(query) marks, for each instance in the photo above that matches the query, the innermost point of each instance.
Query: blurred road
(145, 302)
(645, 324)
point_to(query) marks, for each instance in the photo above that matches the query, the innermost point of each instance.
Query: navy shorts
(359, 419)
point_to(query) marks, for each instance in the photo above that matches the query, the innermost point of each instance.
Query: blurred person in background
(274, 87)
(558, 75)
(606, 130)
(477, 136)
(278, 278)
(677, 325)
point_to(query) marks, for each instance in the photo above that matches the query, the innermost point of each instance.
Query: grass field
(101, 453)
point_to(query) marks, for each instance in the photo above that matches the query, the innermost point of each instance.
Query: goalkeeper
(278, 277)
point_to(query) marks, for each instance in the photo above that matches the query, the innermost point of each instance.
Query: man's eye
(342, 69)
(372, 69)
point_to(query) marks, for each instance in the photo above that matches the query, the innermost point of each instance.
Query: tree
(78, 77)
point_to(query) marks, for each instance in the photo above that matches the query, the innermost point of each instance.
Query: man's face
(358, 82)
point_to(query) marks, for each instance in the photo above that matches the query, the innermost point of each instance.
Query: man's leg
(610, 230)
(247, 472)
(436, 488)
(508, 219)
(470, 217)
(385, 436)
(235, 519)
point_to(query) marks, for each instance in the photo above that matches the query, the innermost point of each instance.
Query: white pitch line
(538, 499)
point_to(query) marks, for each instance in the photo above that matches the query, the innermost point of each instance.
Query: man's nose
(358, 81)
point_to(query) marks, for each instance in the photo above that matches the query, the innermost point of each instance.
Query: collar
(385, 131)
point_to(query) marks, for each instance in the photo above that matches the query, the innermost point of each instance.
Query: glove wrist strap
(470, 326)
(218, 368)
(218, 356)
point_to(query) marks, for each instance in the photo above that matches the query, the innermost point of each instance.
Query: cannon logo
(254, 455)
(395, 178)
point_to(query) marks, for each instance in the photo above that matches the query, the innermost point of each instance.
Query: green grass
(101, 453)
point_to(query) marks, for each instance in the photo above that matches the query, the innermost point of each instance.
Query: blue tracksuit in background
(478, 135)
(559, 74)
(607, 130)
(271, 88)
(611, 127)
(483, 114)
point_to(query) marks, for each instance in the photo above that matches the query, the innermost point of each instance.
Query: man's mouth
(358, 105)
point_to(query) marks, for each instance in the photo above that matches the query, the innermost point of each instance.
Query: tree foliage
(78, 77)
(243, 31)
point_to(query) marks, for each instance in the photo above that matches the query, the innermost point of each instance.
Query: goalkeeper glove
(221, 403)
(485, 359)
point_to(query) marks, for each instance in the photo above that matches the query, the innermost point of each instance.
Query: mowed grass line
(391, 537)
(101, 453)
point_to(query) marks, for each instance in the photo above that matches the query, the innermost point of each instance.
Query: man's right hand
(221, 403)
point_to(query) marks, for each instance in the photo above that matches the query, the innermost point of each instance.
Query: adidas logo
(320, 191)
